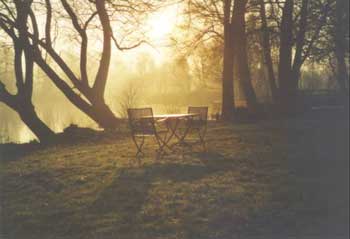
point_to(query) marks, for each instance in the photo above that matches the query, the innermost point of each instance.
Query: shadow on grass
(117, 211)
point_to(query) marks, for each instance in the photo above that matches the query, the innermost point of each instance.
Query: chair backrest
(201, 111)
(141, 121)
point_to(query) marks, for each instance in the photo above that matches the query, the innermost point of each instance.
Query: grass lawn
(278, 179)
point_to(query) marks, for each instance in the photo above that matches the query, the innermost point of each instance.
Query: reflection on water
(25, 135)
(12, 129)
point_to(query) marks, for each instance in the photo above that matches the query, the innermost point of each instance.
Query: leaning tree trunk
(25, 109)
(241, 56)
(95, 107)
(21, 102)
(103, 115)
(28, 115)
(87, 96)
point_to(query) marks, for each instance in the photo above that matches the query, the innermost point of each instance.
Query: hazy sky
(158, 28)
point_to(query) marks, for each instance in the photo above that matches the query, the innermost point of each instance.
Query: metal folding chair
(198, 123)
(142, 124)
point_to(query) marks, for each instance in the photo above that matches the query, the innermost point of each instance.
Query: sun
(161, 24)
(158, 29)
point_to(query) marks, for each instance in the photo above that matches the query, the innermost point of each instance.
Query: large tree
(241, 55)
(82, 89)
(224, 20)
(23, 63)
(285, 54)
(295, 31)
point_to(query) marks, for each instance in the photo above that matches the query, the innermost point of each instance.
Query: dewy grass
(268, 180)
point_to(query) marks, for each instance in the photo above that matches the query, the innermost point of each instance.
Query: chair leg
(139, 146)
(181, 138)
(161, 145)
(163, 142)
(201, 135)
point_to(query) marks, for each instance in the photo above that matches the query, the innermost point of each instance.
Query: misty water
(165, 85)
(130, 91)
(14, 130)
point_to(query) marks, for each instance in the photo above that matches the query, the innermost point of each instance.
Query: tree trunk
(88, 99)
(24, 107)
(241, 56)
(102, 73)
(103, 115)
(21, 102)
(228, 106)
(285, 78)
(267, 52)
(341, 46)
(98, 111)
(300, 42)
(28, 115)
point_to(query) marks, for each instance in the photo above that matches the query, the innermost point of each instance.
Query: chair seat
(162, 131)
(150, 133)
(144, 134)
(161, 120)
